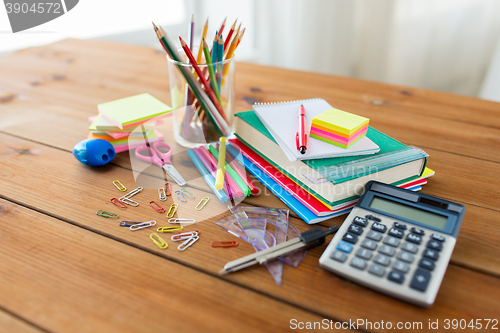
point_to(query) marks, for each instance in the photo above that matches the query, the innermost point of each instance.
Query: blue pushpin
(94, 152)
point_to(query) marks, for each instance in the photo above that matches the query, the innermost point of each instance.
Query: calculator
(397, 242)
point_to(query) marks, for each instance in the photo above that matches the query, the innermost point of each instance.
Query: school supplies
(172, 210)
(233, 188)
(162, 194)
(180, 196)
(224, 244)
(174, 220)
(158, 241)
(142, 225)
(160, 159)
(241, 184)
(186, 193)
(119, 185)
(94, 152)
(169, 229)
(309, 238)
(189, 239)
(104, 213)
(157, 207)
(281, 121)
(126, 198)
(202, 203)
(338, 127)
(118, 203)
(219, 181)
(301, 138)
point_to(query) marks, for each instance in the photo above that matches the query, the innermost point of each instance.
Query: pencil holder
(196, 121)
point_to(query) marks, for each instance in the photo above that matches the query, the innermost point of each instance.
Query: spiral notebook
(281, 120)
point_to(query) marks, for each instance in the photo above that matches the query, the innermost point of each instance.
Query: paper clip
(224, 244)
(168, 229)
(186, 192)
(119, 185)
(178, 197)
(175, 220)
(161, 194)
(168, 189)
(143, 225)
(104, 213)
(172, 210)
(158, 241)
(184, 235)
(158, 208)
(133, 192)
(118, 203)
(187, 243)
(128, 223)
(202, 202)
(129, 201)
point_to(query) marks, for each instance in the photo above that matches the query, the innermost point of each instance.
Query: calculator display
(414, 214)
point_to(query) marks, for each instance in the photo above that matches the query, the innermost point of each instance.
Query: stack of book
(319, 189)
(127, 122)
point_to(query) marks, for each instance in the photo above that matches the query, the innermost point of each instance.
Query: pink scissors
(156, 157)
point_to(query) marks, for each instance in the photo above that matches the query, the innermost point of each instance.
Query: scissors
(156, 157)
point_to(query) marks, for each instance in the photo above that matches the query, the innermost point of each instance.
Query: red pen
(301, 138)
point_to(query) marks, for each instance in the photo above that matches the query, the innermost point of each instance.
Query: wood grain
(9, 323)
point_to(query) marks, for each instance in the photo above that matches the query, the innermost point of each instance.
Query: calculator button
(396, 233)
(430, 254)
(350, 238)
(417, 231)
(420, 279)
(401, 266)
(434, 245)
(360, 221)
(382, 260)
(427, 264)
(358, 263)
(400, 225)
(396, 277)
(405, 256)
(410, 247)
(387, 250)
(376, 236)
(414, 238)
(379, 227)
(364, 253)
(344, 246)
(376, 270)
(339, 256)
(369, 244)
(391, 241)
(355, 229)
(373, 218)
(437, 237)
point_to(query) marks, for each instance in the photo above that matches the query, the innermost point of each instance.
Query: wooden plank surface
(46, 95)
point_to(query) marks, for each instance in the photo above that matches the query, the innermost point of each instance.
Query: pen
(231, 172)
(211, 170)
(301, 138)
(310, 238)
(235, 189)
(206, 176)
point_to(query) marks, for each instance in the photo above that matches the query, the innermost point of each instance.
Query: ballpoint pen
(301, 138)
(307, 239)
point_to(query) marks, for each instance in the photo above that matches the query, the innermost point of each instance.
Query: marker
(301, 138)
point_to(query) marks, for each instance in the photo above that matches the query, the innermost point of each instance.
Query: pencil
(221, 29)
(228, 38)
(240, 37)
(220, 52)
(215, 50)
(219, 182)
(213, 81)
(202, 78)
(189, 96)
(204, 35)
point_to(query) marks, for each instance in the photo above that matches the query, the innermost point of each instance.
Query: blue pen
(208, 178)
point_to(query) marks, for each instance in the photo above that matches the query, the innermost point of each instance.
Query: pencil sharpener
(94, 152)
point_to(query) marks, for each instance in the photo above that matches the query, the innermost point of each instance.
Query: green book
(253, 133)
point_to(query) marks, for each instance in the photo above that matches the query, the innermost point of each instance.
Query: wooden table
(65, 269)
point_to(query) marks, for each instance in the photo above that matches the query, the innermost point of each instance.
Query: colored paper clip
(172, 210)
(161, 194)
(133, 192)
(202, 202)
(184, 235)
(129, 201)
(158, 208)
(168, 189)
(168, 229)
(178, 197)
(104, 213)
(190, 241)
(128, 223)
(118, 203)
(158, 241)
(224, 244)
(119, 185)
(186, 193)
(143, 225)
(175, 220)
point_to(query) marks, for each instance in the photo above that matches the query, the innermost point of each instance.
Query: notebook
(281, 120)
(133, 110)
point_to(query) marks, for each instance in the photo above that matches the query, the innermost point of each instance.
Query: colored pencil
(189, 96)
(228, 38)
(204, 35)
(202, 77)
(220, 52)
(213, 81)
(221, 29)
(215, 50)
(240, 37)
